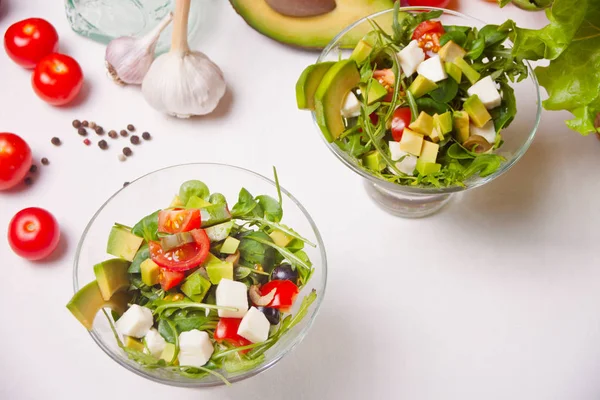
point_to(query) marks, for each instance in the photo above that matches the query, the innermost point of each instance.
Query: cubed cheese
(429, 152)
(488, 132)
(155, 343)
(195, 348)
(351, 107)
(254, 326)
(487, 92)
(135, 322)
(410, 57)
(407, 165)
(433, 69)
(395, 152)
(232, 294)
(411, 142)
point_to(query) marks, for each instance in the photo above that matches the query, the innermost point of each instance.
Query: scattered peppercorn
(85, 123)
(55, 141)
(93, 125)
(146, 136)
(127, 151)
(87, 142)
(76, 123)
(45, 161)
(28, 181)
(99, 130)
(113, 134)
(103, 145)
(33, 169)
(125, 184)
(135, 139)
(121, 157)
(124, 133)
(82, 131)
(130, 128)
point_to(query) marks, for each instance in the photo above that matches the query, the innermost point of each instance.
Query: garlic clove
(128, 59)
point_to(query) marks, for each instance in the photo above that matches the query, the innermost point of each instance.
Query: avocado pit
(302, 8)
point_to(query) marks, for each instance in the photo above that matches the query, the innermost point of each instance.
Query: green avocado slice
(86, 303)
(309, 82)
(112, 276)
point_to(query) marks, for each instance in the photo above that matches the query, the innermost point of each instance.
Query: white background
(496, 297)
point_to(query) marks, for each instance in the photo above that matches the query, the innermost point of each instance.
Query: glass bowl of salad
(424, 106)
(199, 275)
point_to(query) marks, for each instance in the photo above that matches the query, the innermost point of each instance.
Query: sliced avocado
(312, 32)
(453, 71)
(429, 152)
(478, 114)
(427, 168)
(436, 135)
(219, 232)
(197, 202)
(214, 214)
(281, 239)
(443, 122)
(411, 142)
(308, 83)
(361, 51)
(461, 126)
(111, 276)
(342, 77)
(373, 161)
(216, 272)
(195, 287)
(133, 343)
(230, 245)
(176, 202)
(421, 86)
(211, 259)
(168, 353)
(150, 272)
(472, 75)
(376, 91)
(423, 124)
(86, 303)
(122, 243)
(451, 51)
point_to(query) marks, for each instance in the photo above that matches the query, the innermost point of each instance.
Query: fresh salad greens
(197, 288)
(423, 104)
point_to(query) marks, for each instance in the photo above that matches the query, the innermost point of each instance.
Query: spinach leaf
(456, 36)
(147, 228)
(476, 48)
(193, 188)
(142, 254)
(445, 92)
(253, 252)
(244, 205)
(431, 106)
(166, 332)
(505, 114)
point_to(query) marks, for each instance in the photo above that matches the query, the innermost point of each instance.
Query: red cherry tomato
(178, 220)
(226, 331)
(57, 79)
(170, 279)
(33, 233)
(429, 3)
(15, 160)
(285, 293)
(185, 257)
(428, 34)
(400, 120)
(27, 42)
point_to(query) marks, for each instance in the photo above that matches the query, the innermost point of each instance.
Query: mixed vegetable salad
(422, 105)
(199, 287)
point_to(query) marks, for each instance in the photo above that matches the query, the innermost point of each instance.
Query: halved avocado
(342, 77)
(86, 303)
(310, 32)
(309, 82)
(111, 276)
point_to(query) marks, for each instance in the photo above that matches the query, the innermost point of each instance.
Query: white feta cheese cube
(410, 57)
(135, 322)
(395, 152)
(351, 107)
(254, 326)
(232, 294)
(155, 343)
(195, 348)
(488, 132)
(433, 69)
(408, 163)
(487, 92)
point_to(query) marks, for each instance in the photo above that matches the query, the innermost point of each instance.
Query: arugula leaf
(235, 362)
(260, 237)
(147, 228)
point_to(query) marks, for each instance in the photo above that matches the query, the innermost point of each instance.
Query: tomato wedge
(182, 258)
(170, 279)
(400, 120)
(285, 293)
(428, 34)
(178, 220)
(226, 331)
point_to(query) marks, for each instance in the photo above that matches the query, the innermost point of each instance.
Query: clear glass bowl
(414, 202)
(154, 191)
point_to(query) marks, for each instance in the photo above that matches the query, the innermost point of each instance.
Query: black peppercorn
(33, 169)
(103, 145)
(45, 161)
(135, 139)
(127, 151)
(113, 134)
(130, 128)
(82, 131)
(99, 130)
(146, 136)
(76, 123)
(85, 123)
(124, 133)
(55, 141)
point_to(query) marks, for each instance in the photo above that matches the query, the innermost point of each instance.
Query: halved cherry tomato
(186, 257)
(178, 220)
(400, 120)
(57, 79)
(28, 41)
(285, 293)
(226, 331)
(170, 279)
(428, 34)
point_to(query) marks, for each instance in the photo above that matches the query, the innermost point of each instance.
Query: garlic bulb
(128, 59)
(182, 82)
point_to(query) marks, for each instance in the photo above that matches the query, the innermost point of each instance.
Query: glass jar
(104, 20)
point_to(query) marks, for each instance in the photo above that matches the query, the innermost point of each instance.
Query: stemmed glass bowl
(155, 191)
(414, 202)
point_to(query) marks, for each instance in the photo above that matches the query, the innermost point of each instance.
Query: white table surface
(505, 305)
